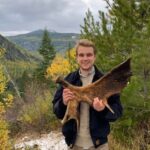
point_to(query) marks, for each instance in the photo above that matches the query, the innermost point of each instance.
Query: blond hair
(85, 43)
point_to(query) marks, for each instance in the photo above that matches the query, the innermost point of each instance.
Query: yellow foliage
(3, 80)
(2, 108)
(8, 100)
(8, 97)
(61, 66)
(72, 53)
(2, 51)
(71, 57)
(5, 101)
(4, 144)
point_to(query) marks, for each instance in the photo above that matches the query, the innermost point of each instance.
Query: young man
(94, 121)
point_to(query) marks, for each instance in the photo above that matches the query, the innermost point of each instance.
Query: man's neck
(86, 72)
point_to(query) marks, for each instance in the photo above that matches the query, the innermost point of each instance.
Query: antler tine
(107, 105)
(104, 102)
(109, 108)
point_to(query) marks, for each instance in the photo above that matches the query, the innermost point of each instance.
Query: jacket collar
(97, 75)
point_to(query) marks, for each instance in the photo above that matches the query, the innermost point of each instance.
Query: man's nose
(85, 57)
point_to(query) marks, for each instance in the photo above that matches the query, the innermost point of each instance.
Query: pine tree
(46, 49)
(100, 32)
(125, 31)
(131, 23)
(48, 53)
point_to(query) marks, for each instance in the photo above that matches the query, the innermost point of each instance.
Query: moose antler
(111, 83)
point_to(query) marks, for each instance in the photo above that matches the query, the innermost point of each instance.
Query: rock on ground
(51, 141)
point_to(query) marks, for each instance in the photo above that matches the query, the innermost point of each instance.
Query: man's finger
(67, 91)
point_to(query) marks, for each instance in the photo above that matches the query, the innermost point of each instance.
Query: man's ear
(95, 56)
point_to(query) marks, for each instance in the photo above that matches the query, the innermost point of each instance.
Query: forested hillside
(32, 40)
(14, 52)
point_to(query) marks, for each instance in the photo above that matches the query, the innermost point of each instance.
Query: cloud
(58, 15)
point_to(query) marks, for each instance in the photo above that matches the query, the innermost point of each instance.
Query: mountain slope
(14, 52)
(32, 40)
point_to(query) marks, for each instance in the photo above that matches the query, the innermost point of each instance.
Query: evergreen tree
(48, 53)
(46, 49)
(106, 40)
(125, 31)
(131, 20)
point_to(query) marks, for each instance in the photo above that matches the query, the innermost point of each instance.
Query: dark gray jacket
(99, 121)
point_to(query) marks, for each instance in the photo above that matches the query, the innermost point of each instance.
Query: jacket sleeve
(115, 104)
(58, 106)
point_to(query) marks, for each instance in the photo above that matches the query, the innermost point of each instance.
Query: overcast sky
(20, 16)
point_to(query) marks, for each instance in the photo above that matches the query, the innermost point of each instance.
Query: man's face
(85, 57)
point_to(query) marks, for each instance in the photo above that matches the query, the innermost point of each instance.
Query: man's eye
(89, 54)
(81, 55)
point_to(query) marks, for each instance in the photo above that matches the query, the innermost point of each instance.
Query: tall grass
(38, 114)
(34, 111)
(137, 138)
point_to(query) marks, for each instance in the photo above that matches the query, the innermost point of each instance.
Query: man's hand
(98, 104)
(67, 96)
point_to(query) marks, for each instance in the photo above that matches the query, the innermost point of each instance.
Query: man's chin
(86, 68)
